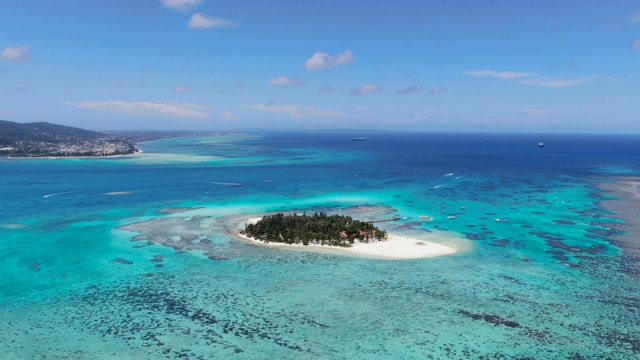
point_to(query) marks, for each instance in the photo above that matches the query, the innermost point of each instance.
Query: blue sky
(523, 66)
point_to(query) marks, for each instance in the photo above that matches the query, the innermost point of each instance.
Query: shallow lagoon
(547, 284)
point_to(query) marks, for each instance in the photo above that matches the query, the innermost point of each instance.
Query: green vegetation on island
(319, 228)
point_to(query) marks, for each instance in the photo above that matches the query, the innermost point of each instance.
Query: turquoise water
(547, 284)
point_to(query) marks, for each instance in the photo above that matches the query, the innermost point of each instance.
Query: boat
(451, 217)
(358, 139)
(502, 220)
(426, 218)
(541, 144)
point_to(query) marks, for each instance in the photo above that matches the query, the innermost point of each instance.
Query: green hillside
(11, 132)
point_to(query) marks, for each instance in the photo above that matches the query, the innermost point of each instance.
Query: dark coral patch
(602, 232)
(472, 236)
(500, 242)
(122, 261)
(491, 319)
(564, 222)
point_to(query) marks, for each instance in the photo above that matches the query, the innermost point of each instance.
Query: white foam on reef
(13, 226)
(220, 183)
(118, 193)
(56, 194)
(156, 158)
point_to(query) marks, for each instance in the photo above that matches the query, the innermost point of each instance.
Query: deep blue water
(76, 286)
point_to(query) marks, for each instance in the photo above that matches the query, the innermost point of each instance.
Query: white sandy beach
(395, 247)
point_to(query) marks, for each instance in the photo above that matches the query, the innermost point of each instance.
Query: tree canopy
(319, 228)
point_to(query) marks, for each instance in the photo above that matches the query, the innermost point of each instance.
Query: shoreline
(75, 157)
(396, 247)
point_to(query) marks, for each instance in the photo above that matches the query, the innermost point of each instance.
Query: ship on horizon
(358, 139)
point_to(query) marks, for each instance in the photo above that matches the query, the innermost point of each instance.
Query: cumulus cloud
(554, 82)
(180, 88)
(437, 90)
(284, 80)
(411, 89)
(200, 21)
(175, 110)
(498, 74)
(321, 60)
(15, 53)
(636, 45)
(227, 116)
(182, 5)
(365, 89)
(325, 89)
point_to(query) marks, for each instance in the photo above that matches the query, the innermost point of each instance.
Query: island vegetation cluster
(319, 228)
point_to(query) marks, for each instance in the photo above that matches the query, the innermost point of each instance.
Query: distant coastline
(46, 140)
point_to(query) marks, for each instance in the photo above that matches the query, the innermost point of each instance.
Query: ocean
(133, 257)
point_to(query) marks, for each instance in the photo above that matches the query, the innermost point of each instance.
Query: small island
(318, 229)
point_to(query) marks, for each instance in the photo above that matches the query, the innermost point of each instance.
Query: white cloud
(365, 89)
(284, 80)
(182, 5)
(554, 82)
(180, 88)
(321, 60)
(534, 79)
(17, 53)
(298, 112)
(175, 110)
(412, 89)
(227, 116)
(498, 74)
(636, 45)
(437, 90)
(199, 20)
